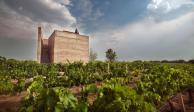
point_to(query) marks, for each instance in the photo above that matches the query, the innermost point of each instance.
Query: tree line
(111, 56)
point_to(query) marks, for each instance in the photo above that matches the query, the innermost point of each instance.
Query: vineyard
(138, 86)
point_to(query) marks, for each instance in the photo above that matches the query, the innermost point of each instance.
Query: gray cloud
(13, 25)
(18, 48)
(86, 13)
(43, 10)
(166, 6)
(149, 40)
(146, 39)
(19, 21)
(163, 10)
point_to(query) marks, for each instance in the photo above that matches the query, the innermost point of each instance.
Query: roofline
(67, 32)
(70, 32)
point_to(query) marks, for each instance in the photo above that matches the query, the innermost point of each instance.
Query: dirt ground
(10, 103)
(177, 104)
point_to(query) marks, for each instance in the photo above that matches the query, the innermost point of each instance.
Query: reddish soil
(175, 104)
(77, 89)
(91, 97)
(10, 103)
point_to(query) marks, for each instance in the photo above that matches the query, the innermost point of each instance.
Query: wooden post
(126, 68)
(108, 68)
(182, 103)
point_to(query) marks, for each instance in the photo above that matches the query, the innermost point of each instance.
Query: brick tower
(62, 47)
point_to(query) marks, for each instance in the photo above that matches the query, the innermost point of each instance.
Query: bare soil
(11, 103)
(176, 105)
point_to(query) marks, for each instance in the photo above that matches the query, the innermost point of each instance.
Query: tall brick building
(62, 47)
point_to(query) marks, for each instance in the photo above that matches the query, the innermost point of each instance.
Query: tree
(191, 61)
(93, 55)
(111, 55)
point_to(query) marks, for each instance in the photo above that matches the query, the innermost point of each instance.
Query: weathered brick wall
(61, 47)
(51, 47)
(70, 46)
(45, 52)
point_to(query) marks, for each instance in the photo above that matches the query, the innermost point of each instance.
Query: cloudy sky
(135, 29)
